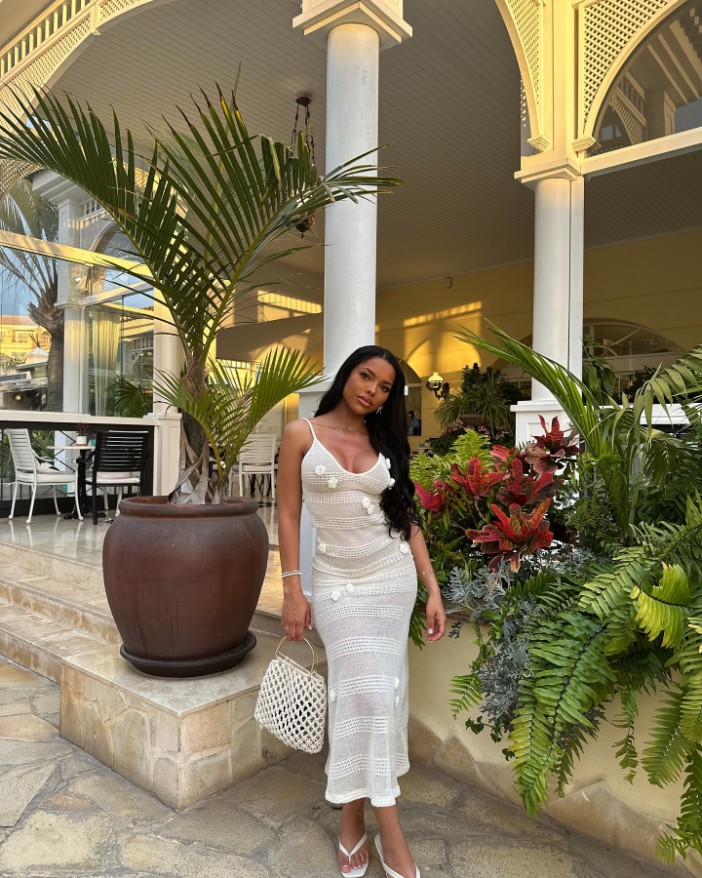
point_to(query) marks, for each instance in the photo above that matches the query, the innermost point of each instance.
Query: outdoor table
(81, 498)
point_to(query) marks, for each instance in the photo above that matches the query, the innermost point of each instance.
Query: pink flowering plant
(487, 506)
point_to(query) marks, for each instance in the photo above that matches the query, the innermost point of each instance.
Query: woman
(351, 464)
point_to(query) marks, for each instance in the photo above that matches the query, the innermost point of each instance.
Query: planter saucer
(192, 667)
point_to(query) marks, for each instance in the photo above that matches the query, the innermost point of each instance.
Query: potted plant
(213, 207)
(82, 434)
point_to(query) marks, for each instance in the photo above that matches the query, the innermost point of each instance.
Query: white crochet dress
(364, 586)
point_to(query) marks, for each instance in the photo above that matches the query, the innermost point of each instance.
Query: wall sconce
(438, 386)
(18, 397)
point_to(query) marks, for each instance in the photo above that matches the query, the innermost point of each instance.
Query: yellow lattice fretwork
(607, 29)
(527, 18)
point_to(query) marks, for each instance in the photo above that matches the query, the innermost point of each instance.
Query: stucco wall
(655, 283)
(598, 802)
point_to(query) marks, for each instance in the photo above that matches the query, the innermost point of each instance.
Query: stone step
(53, 566)
(65, 603)
(180, 739)
(39, 643)
(80, 607)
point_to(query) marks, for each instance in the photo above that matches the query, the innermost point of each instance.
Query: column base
(527, 420)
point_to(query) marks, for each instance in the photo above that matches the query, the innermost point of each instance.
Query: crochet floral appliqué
(366, 502)
(332, 483)
(320, 470)
(391, 483)
(404, 548)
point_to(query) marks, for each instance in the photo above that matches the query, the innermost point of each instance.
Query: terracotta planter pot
(183, 583)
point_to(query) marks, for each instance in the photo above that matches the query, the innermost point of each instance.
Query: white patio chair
(257, 457)
(29, 470)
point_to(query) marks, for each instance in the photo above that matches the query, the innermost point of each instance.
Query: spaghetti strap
(309, 424)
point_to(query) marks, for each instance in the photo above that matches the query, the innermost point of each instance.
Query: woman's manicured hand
(436, 618)
(297, 614)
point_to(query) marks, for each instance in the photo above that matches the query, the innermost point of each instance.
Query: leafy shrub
(615, 613)
(480, 505)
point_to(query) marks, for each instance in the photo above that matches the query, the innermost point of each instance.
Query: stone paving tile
(64, 815)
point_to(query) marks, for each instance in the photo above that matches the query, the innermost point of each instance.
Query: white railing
(56, 18)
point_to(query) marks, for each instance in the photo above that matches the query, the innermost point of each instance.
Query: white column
(353, 55)
(168, 359)
(355, 33)
(69, 200)
(73, 343)
(558, 272)
(168, 350)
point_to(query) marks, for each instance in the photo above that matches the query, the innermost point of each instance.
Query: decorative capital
(559, 168)
(318, 17)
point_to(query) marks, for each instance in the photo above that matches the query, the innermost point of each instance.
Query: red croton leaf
(475, 480)
(541, 460)
(521, 487)
(501, 455)
(512, 536)
(555, 441)
(432, 501)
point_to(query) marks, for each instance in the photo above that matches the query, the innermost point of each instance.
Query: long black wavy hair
(387, 431)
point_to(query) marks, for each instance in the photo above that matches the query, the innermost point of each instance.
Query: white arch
(524, 69)
(621, 60)
(45, 64)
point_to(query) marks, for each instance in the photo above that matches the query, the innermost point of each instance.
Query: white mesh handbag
(292, 702)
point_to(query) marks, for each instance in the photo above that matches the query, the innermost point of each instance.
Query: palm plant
(24, 212)
(625, 456)
(209, 208)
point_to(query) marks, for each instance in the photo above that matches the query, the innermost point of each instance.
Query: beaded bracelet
(290, 573)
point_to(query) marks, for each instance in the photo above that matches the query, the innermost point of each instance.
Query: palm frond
(578, 403)
(208, 206)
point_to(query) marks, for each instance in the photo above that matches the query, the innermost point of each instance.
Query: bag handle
(315, 656)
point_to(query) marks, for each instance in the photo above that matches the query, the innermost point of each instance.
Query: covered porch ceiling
(449, 115)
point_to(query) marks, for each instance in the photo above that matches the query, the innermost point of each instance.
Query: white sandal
(391, 873)
(359, 871)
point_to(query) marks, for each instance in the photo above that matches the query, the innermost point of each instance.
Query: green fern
(426, 469)
(665, 756)
(469, 445)
(608, 591)
(466, 689)
(691, 708)
(665, 611)
(626, 751)
(688, 832)
(568, 675)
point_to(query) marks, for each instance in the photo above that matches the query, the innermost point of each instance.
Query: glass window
(120, 352)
